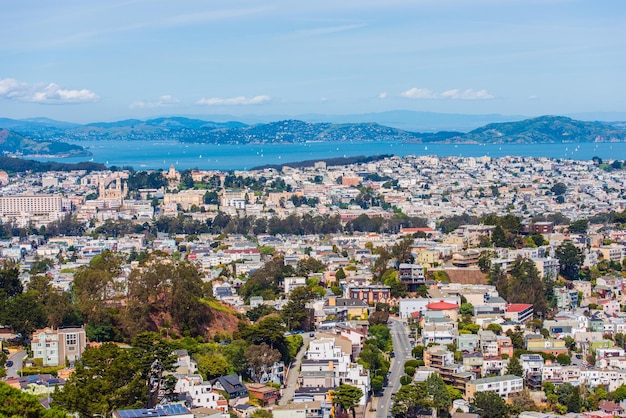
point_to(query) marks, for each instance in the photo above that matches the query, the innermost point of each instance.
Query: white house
(199, 394)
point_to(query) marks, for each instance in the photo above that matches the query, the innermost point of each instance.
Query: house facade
(55, 347)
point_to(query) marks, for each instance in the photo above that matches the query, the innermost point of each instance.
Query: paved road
(17, 359)
(294, 372)
(402, 350)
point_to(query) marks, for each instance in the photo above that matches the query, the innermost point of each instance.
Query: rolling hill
(544, 129)
(14, 143)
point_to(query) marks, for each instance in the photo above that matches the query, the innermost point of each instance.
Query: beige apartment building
(56, 346)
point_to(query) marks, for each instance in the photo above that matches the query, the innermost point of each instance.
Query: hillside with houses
(414, 286)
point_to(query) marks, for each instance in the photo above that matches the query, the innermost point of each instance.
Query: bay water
(150, 155)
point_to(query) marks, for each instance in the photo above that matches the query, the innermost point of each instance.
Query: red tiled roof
(518, 307)
(414, 230)
(441, 306)
(608, 406)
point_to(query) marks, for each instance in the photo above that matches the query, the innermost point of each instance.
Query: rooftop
(495, 379)
(518, 307)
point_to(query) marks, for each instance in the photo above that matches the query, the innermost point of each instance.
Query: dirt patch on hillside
(223, 323)
(466, 276)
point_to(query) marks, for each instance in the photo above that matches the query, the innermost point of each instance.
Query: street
(294, 371)
(402, 350)
(17, 359)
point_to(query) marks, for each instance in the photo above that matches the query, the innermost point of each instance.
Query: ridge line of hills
(41, 136)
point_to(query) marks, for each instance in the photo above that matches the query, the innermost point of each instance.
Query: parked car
(9, 363)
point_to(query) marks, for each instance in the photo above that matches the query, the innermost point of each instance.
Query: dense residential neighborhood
(406, 287)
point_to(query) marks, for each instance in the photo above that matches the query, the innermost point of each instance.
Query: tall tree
(212, 365)
(261, 357)
(497, 277)
(269, 330)
(15, 403)
(522, 401)
(10, 284)
(515, 367)
(25, 313)
(569, 396)
(152, 357)
(295, 313)
(309, 265)
(380, 265)
(401, 250)
(526, 286)
(490, 405)
(579, 227)
(95, 286)
(340, 274)
(105, 379)
(440, 395)
(410, 400)
(498, 237)
(348, 397)
(235, 354)
(570, 259)
(186, 307)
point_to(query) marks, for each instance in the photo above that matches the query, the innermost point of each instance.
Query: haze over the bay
(109, 60)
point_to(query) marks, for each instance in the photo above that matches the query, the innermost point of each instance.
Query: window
(70, 339)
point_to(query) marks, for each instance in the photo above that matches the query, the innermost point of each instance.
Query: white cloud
(454, 94)
(239, 100)
(468, 94)
(50, 93)
(162, 101)
(382, 95)
(533, 97)
(415, 93)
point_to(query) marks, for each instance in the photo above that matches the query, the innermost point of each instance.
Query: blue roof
(136, 413)
(160, 411)
(175, 409)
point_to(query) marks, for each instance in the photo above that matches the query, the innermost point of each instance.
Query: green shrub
(410, 363)
(406, 380)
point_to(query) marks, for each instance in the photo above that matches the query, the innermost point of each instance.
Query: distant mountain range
(46, 136)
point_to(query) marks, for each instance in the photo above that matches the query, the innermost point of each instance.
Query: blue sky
(106, 60)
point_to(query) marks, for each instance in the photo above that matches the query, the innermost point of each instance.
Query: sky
(87, 61)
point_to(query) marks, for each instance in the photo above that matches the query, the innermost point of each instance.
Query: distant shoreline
(360, 159)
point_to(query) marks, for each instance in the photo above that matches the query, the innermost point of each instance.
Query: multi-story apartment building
(185, 198)
(55, 347)
(370, 293)
(502, 385)
(22, 209)
(438, 357)
(519, 312)
(532, 364)
(328, 364)
(412, 275)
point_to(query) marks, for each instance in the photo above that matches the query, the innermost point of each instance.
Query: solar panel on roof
(174, 409)
(140, 413)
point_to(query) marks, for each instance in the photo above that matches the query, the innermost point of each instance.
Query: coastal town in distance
(401, 286)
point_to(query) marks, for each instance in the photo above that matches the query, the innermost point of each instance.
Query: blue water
(144, 155)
